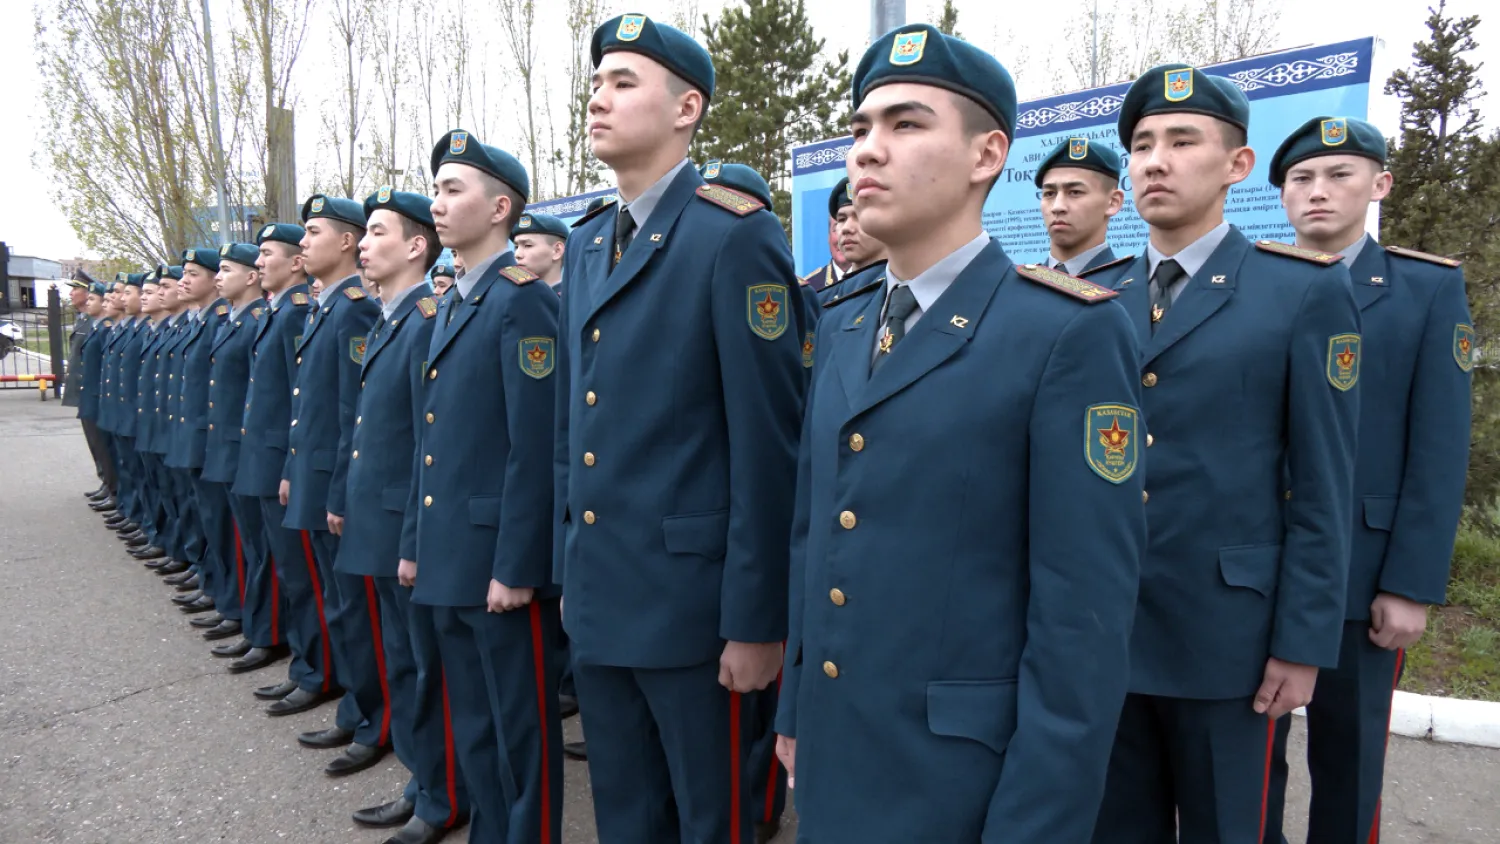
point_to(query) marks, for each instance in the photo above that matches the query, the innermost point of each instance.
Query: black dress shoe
(204, 622)
(114, 520)
(191, 584)
(173, 567)
(102, 506)
(329, 739)
(567, 706)
(203, 604)
(355, 758)
(150, 552)
(126, 528)
(302, 700)
(136, 540)
(156, 563)
(418, 831)
(97, 494)
(233, 649)
(183, 600)
(395, 813)
(576, 750)
(223, 630)
(257, 658)
(276, 692)
(764, 832)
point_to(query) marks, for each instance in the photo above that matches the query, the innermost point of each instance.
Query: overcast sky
(32, 225)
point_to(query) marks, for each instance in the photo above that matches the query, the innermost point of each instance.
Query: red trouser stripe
(275, 600)
(312, 572)
(734, 768)
(1265, 788)
(770, 814)
(385, 687)
(450, 758)
(239, 559)
(1395, 681)
(538, 659)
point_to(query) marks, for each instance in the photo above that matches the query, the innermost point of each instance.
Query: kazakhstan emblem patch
(807, 350)
(1111, 441)
(357, 349)
(1343, 360)
(1463, 346)
(766, 310)
(538, 355)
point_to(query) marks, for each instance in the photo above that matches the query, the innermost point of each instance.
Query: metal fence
(32, 343)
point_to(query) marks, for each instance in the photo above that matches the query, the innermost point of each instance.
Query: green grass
(1460, 654)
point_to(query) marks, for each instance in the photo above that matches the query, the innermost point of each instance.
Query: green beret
(1078, 152)
(843, 194)
(533, 223)
(174, 271)
(1327, 136)
(667, 46)
(412, 206)
(443, 268)
(464, 148)
(288, 233)
(740, 177)
(244, 254)
(333, 208)
(202, 256)
(98, 288)
(923, 55)
(1181, 89)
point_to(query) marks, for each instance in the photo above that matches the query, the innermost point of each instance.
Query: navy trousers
(306, 622)
(359, 632)
(262, 602)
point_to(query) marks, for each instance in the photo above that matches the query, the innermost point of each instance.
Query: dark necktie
(1168, 274)
(624, 231)
(455, 301)
(898, 308)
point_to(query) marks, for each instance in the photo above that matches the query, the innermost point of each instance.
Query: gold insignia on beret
(383, 195)
(525, 222)
(711, 169)
(267, 231)
(224, 250)
(908, 47)
(1179, 85)
(631, 27)
(1335, 131)
(1078, 148)
(458, 142)
(317, 204)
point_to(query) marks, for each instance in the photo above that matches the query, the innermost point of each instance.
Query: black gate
(32, 343)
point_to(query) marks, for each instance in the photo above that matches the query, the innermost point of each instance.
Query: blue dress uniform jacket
(387, 418)
(109, 372)
(268, 400)
(1242, 384)
(486, 435)
(678, 417)
(186, 450)
(128, 388)
(167, 378)
(1414, 426)
(91, 386)
(327, 385)
(963, 579)
(228, 384)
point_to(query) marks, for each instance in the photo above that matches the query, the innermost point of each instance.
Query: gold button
(589, 398)
(1149, 379)
(296, 391)
(836, 596)
(358, 419)
(856, 443)
(427, 501)
(210, 382)
(830, 669)
(242, 432)
(847, 519)
(294, 452)
(299, 360)
(428, 461)
(1150, 440)
(432, 374)
(294, 423)
(588, 458)
(596, 335)
(210, 426)
(1288, 495)
(1145, 496)
(361, 383)
(429, 418)
(588, 517)
(355, 455)
(210, 405)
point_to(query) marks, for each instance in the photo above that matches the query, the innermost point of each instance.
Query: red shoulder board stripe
(732, 200)
(1084, 291)
(518, 274)
(1115, 263)
(1423, 256)
(427, 306)
(1322, 259)
(355, 293)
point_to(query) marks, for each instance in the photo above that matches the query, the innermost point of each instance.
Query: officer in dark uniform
(90, 380)
(78, 295)
(831, 273)
(141, 403)
(398, 247)
(674, 482)
(540, 241)
(187, 543)
(1079, 183)
(117, 510)
(1251, 362)
(264, 425)
(442, 278)
(477, 538)
(1414, 405)
(315, 480)
(978, 650)
(856, 244)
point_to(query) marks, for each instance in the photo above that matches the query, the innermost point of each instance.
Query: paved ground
(117, 726)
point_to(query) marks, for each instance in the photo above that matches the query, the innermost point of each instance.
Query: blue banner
(569, 208)
(1285, 89)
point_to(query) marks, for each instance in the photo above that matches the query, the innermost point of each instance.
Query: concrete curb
(1448, 720)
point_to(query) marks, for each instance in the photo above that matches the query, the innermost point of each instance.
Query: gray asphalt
(118, 727)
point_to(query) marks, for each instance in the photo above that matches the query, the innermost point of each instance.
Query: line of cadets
(1006, 637)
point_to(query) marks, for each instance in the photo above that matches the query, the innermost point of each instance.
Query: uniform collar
(330, 289)
(931, 284)
(1351, 254)
(388, 309)
(1193, 256)
(471, 276)
(641, 207)
(1077, 263)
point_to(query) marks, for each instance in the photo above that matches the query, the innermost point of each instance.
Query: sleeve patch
(1423, 256)
(427, 306)
(519, 274)
(1084, 291)
(1111, 441)
(766, 310)
(538, 355)
(1343, 360)
(355, 293)
(732, 200)
(1463, 346)
(357, 349)
(807, 349)
(1322, 259)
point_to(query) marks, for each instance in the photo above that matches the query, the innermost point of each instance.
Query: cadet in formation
(862, 250)
(90, 360)
(1079, 184)
(540, 241)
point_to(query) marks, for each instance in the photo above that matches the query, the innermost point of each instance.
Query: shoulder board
(299, 298)
(1322, 259)
(519, 274)
(1084, 291)
(222, 310)
(807, 279)
(1115, 263)
(731, 200)
(427, 306)
(1423, 256)
(608, 204)
(854, 294)
(355, 293)
(255, 311)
